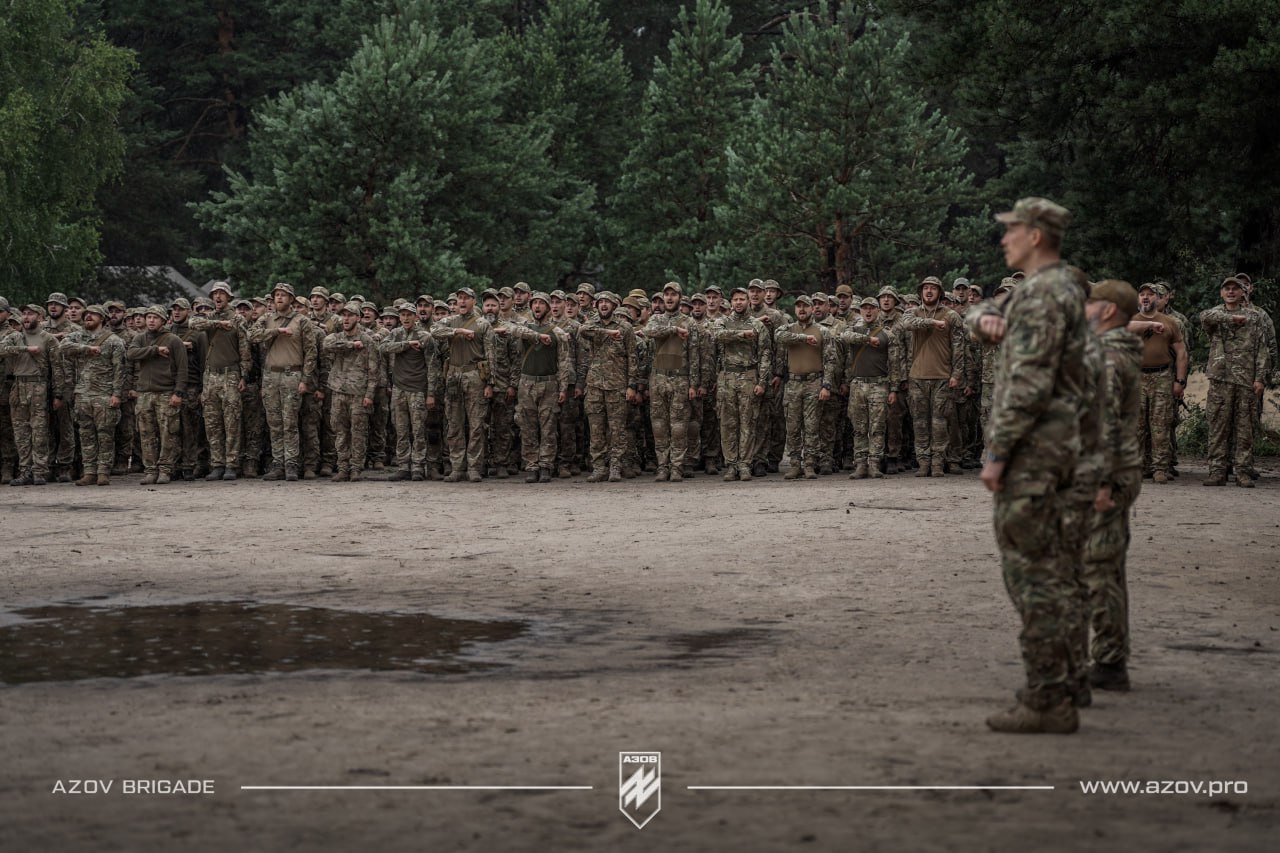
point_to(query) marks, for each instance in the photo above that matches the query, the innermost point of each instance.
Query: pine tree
(674, 175)
(843, 174)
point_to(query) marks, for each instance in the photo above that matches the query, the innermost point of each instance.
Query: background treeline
(393, 147)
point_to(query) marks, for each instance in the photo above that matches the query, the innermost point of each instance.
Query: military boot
(216, 474)
(875, 470)
(825, 469)
(924, 468)
(744, 472)
(310, 474)
(418, 475)
(229, 475)
(597, 476)
(1159, 477)
(1243, 480)
(544, 475)
(399, 475)
(1061, 719)
(250, 468)
(1109, 676)
(64, 474)
(810, 473)
(860, 471)
(104, 477)
(663, 474)
(38, 479)
(678, 476)
(356, 474)
(23, 479)
(342, 475)
(711, 468)
(938, 469)
(1218, 479)
(276, 473)
(564, 473)
(453, 477)
(89, 479)
(162, 479)
(532, 476)
(760, 469)
(730, 474)
(793, 473)
(291, 473)
(149, 479)
(615, 474)
(326, 470)
(474, 477)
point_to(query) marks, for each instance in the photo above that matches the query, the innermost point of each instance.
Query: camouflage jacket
(1121, 435)
(459, 353)
(1269, 335)
(507, 350)
(527, 334)
(48, 363)
(197, 344)
(706, 355)
(796, 335)
(571, 326)
(266, 333)
(857, 338)
(1237, 350)
(773, 319)
(613, 361)
(352, 370)
(736, 352)
(100, 375)
(670, 351)
(1091, 465)
(228, 344)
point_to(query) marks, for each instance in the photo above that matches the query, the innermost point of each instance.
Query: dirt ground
(829, 633)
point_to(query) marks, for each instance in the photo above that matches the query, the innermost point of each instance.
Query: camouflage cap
(352, 307)
(158, 310)
(538, 294)
(489, 293)
(203, 302)
(869, 301)
(1147, 286)
(96, 309)
(71, 299)
(465, 291)
(440, 303)
(1041, 213)
(320, 291)
(357, 298)
(261, 300)
(887, 290)
(1244, 277)
(608, 296)
(1009, 282)
(739, 289)
(948, 296)
(4, 304)
(929, 279)
(220, 285)
(912, 298)
(113, 303)
(282, 285)
(673, 285)
(1120, 293)
(1232, 281)
(57, 299)
(639, 293)
(697, 297)
(338, 297)
(301, 301)
(804, 299)
(407, 307)
(522, 286)
(502, 291)
(587, 288)
(819, 297)
(557, 294)
(770, 284)
(423, 298)
(631, 302)
(961, 282)
(39, 309)
(1160, 289)
(452, 297)
(180, 302)
(685, 303)
(714, 288)
(240, 303)
(755, 284)
(844, 290)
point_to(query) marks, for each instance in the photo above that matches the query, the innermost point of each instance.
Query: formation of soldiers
(289, 387)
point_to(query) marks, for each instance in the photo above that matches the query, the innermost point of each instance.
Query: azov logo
(640, 786)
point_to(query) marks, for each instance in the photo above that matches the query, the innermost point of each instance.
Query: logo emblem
(640, 786)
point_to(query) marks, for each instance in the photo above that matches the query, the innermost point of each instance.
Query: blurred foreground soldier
(228, 361)
(290, 365)
(1110, 306)
(937, 367)
(746, 365)
(468, 339)
(353, 381)
(1239, 364)
(673, 382)
(872, 373)
(1032, 447)
(36, 367)
(612, 382)
(810, 362)
(159, 360)
(415, 385)
(1164, 378)
(546, 380)
(98, 359)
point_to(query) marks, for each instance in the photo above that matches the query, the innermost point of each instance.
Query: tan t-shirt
(1155, 348)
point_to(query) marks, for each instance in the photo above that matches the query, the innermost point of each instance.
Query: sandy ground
(763, 633)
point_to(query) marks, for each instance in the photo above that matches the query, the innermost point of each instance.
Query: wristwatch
(1181, 382)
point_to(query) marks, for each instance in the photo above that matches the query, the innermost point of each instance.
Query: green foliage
(843, 173)
(402, 176)
(674, 175)
(61, 87)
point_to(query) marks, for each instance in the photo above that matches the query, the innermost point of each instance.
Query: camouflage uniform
(676, 368)
(545, 373)
(895, 418)
(808, 372)
(832, 410)
(704, 425)
(1238, 357)
(99, 378)
(379, 442)
(8, 449)
(929, 387)
(35, 379)
(253, 416)
(126, 427)
(288, 361)
(502, 408)
(770, 430)
(468, 370)
(228, 361)
(327, 323)
(63, 421)
(571, 416)
(415, 376)
(353, 379)
(610, 373)
(1157, 399)
(191, 414)
(744, 363)
(1035, 429)
(1108, 540)
(157, 378)
(872, 373)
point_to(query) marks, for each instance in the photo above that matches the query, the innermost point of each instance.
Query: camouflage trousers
(159, 431)
(761, 433)
(192, 424)
(693, 431)
(607, 416)
(802, 403)
(669, 412)
(126, 432)
(1077, 518)
(97, 421)
(895, 419)
(282, 401)
(379, 424)
(774, 438)
(502, 429)
(830, 419)
(1230, 410)
(737, 407)
(538, 412)
(222, 415)
(328, 449)
(253, 425)
(310, 416)
(1105, 553)
(8, 449)
(63, 423)
(1041, 584)
(929, 401)
(466, 414)
(868, 413)
(29, 409)
(570, 422)
(957, 442)
(1155, 414)
(409, 414)
(350, 422)
(709, 427)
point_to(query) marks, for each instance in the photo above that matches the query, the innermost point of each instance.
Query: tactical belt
(805, 377)
(738, 369)
(231, 368)
(877, 380)
(1161, 369)
(285, 369)
(680, 373)
(535, 377)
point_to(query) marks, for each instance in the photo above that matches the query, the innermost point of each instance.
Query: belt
(680, 373)
(285, 369)
(739, 369)
(233, 368)
(474, 367)
(876, 380)
(533, 377)
(17, 378)
(805, 377)
(1161, 369)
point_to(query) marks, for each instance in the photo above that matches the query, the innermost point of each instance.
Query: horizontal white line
(416, 788)
(871, 787)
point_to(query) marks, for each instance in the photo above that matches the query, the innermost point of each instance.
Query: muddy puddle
(67, 642)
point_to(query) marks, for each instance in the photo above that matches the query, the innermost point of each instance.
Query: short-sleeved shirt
(1156, 349)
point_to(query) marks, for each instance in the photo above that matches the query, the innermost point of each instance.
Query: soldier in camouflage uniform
(546, 383)
(831, 411)
(769, 432)
(468, 339)
(415, 388)
(1111, 304)
(612, 385)
(227, 363)
(570, 416)
(253, 417)
(159, 363)
(1033, 446)
(502, 408)
(380, 415)
(1164, 378)
(38, 374)
(937, 366)
(745, 363)
(1239, 365)
(323, 314)
(872, 371)
(895, 418)
(98, 356)
(704, 429)
(191, 414)
(353, 381)
(675, 375)
(60, 325)
(8, 450)
(290, 353)
(811, 358)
